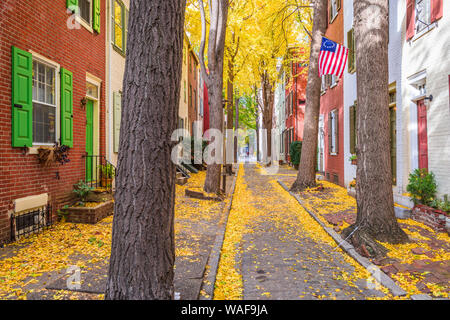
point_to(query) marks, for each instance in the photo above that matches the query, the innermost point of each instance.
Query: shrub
(82, 190)
(295, 150)
(422, 186)
(443, 205)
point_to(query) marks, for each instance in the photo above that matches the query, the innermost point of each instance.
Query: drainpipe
(108, 46)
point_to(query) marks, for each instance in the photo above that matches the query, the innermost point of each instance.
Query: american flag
(332, 58)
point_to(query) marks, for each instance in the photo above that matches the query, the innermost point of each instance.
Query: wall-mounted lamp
(430, 97)
(83, 103)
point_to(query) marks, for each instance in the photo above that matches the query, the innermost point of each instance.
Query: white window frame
(41, 59)
(334, 118)
(84, 23)
(334, 10)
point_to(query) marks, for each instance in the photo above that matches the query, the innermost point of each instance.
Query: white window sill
(424, 31)
(86, 25)
(333, 85)
(333, 154)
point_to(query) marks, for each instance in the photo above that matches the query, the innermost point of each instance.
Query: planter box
(90, 215)
(434, 218)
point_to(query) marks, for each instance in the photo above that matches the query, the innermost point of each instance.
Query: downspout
(108, 35)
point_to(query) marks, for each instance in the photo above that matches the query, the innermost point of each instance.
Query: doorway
(422, 134)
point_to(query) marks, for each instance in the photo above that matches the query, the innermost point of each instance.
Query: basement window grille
(25, 223)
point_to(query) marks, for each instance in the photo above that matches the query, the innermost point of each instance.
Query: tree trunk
(306, 176)
(230, 94)
(143, 249)
(268, 102)
(214, 79)
(376, 217)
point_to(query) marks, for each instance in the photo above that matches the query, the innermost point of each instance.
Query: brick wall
(334, 99)
(433, 218)
(41, 26)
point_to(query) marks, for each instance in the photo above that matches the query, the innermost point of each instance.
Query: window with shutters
(45, 115)
(333, 126)
(421, 16)
(87, 13)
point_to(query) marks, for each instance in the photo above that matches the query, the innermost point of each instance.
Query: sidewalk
(36, 267)
(274, 250)
(419, 267)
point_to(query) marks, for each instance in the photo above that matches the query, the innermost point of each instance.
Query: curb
(209, 282)
(384, 279)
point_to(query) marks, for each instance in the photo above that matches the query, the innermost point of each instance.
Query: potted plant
(353, 159)
(107, 175)
(352, 188)
(58, 153)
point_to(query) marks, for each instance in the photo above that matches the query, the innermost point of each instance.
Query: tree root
(300, 186)
(364, 242)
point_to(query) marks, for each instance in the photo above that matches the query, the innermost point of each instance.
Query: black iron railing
(99, 172)
(23, 224)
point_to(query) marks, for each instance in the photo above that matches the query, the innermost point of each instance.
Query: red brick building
(193, 90)
(295, 101)
(331, 156)
(52, 89)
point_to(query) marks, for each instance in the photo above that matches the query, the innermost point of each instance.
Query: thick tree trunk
(143, 249)
(306, 176)
(376, 217)
(214, 79)
(212, 181)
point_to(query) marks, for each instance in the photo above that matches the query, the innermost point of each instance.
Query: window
(85, 10)
(422, 14)
(119, 29)
(334, 80)
(184, 91)
(44, 103)
(333, 132)
(393, 132)
(333, 8)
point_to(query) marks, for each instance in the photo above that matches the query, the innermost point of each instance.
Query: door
(89, 139)
(422, 134)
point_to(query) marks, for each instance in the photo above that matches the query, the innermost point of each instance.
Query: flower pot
(354, 162)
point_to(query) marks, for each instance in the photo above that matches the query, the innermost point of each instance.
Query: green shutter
(352, 130)
(66, 108)
(96, 16)
(22, 98)
(72, 4)
(117, 117)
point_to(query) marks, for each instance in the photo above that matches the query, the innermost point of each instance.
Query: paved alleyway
(284, 253)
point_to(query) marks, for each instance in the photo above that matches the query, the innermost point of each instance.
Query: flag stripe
(333, 62)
